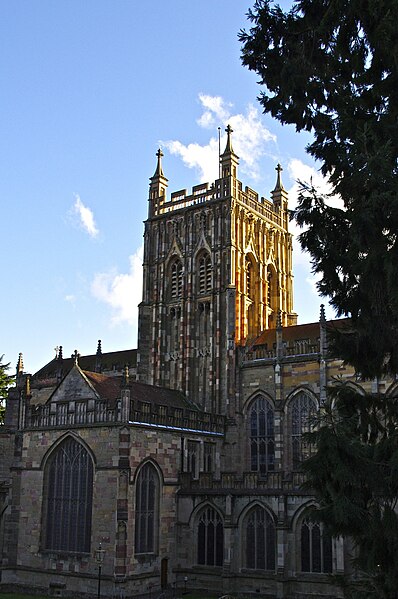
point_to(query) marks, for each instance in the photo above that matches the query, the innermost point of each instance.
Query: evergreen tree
(330, 67)
(5, 383)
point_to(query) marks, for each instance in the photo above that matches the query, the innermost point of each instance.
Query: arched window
(176, 279)
(316, 547)
(69, 494)
(302, 411)
(262, 444)
(260, 540)
(210, 538)
(147, 509)
(204, 274)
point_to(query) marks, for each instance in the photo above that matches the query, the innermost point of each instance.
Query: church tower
(217, 271)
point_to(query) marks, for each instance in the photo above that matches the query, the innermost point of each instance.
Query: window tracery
(262, 443)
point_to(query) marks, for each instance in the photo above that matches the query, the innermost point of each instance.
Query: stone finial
(159, 169)
(126, 375)
(20, 365)
(27, 385)
(279, 184)
(228, 147)
(279, 320)
(75, 356)
(98, 357)
(322, 316)
(60, 356)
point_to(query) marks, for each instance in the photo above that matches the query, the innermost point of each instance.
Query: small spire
(279, 184)
(228, 147)
(98, 357)
(20, 364)
(159, 170)
(322, 317)
(279, 320)
(60, 364)
(75, 356)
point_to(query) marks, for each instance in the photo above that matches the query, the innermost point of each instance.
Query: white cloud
(86, 217)
(70, 298)
(250, 139)
(122, 292)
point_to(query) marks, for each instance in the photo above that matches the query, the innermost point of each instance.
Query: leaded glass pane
(260, 540)
(262, 448)
(302, 411)
(69, 490)
(210, 538)
(146, 509)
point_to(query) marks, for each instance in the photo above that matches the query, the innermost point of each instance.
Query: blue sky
(89, 90)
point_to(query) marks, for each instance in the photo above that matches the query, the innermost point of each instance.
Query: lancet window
(176, 279)
(147, 509)
(302, 412)
(316, 547)
(204, 274)
(262, 443)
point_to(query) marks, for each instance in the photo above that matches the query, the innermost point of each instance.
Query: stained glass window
(210, 538)
(316, 547)
(69, 492)
(260, 540)
(262, 444)
(302, 410)
(146, 509)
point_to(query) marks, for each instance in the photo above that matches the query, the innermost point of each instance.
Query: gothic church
(176, 466)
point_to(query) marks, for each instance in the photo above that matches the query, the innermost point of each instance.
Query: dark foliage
(331, 68)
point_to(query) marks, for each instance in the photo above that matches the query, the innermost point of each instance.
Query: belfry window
(205, 278)
(210, 538)
(262, 444)
(69, 494)
(316, 547)
(302, 411)
(146, 509)
(176, 279)
(260, 540)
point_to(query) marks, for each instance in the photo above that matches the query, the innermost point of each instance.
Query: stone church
(176, 466)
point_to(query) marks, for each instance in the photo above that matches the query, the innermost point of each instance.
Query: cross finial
(75, 356)
(279, 184)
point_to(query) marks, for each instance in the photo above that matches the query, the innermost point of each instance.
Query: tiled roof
(110, 361)
(107, 387)
(160, 395)
(296, 333)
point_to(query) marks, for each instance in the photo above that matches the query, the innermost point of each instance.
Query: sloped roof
(107, 387)
(296, 332)
(160, 395)
(110, 361)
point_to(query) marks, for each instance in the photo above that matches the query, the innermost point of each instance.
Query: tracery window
(205, 282)
(262, 444)
(147, 509)
(302, 411)
(210, 538)
(69, 494)
(176, 279)
(260, 540)
(316, 547)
